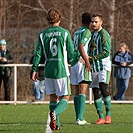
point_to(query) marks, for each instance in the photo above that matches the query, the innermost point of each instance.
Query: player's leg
(74, 82)
(98, 105)
(104, 81)
(50, 90)
(76, 93)
(52, 106)
(81, 103)
(107, 102)
(84, 78)
(63, 91)
(97, 97)
(54, 118)
(62, 104)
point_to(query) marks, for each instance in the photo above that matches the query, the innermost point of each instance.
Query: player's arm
(106, 44)
(36, 60)
(70, 48)
(84, 56)
(84, 39)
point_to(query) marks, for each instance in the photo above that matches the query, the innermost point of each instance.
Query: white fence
(15, 101)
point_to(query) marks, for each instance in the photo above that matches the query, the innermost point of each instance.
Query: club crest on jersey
(93, 46)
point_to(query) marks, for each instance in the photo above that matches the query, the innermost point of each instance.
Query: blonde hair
(124, 45)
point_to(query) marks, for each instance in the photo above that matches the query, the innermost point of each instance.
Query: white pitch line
(10, 124)
(48, 130)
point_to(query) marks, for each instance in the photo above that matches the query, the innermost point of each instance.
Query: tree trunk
(71, 15)
(111, 18)
(1, 14)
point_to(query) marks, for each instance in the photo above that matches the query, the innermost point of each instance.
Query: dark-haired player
(100, 47)
(80, 67)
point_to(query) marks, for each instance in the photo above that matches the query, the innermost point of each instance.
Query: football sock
(61, 106)
(98, 105)
(81, 107)
(76, 105)
(52, 106)
(107, 102)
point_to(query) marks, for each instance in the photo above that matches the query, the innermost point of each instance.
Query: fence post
(15, 84)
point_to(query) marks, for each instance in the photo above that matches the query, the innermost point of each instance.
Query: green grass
(33, 119)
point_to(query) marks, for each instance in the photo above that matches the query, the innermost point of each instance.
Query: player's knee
(104, 89)
(53, 98)
(96, 93)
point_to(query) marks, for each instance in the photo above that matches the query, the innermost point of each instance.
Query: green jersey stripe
(41, 37)
(99, 50)
(56, 44)
(65, 54)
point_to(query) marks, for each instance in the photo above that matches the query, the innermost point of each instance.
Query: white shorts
(97, 77)
(78, 74)
(60, 87)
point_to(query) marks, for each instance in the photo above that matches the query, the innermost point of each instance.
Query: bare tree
(111, 18)
(71, 14)
(1, 15)
(22, 20)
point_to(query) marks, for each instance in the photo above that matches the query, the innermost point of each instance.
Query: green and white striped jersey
(81, 36)
(99, 50)
(56, 44)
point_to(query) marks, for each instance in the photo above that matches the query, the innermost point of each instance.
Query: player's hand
(88, 66)
(81, 60)
(35, 76)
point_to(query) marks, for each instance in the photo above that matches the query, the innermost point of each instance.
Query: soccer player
(100, 47)
(80, 74)
(56, 44)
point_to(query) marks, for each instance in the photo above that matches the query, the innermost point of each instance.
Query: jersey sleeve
(106, 45)
(85, 37)
(70, 48)
(37, 56)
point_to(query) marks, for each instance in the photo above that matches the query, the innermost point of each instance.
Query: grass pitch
(33, 119)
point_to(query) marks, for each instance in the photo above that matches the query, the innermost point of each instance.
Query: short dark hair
(53, 16)
(86, 18)
(98, 15)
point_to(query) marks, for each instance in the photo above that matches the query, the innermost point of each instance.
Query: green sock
(98, 105)
(81, 106)
(61, 106)
(76, 105)
(107, 102)
(52, 106)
